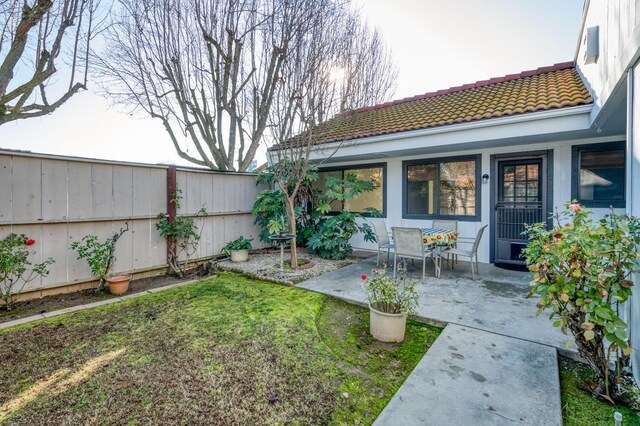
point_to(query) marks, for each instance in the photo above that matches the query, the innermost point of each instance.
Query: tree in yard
(36, 37)
(331, 73)
(210, 70)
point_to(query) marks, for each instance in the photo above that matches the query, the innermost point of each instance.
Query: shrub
(332, 239)
(391, 295)
(581, 270)
(16, 270)
(182, 236)
(99, 255)
(240, 243)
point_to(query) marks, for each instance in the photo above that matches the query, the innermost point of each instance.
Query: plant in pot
(238, 249)
(101, 257)
(390, 301)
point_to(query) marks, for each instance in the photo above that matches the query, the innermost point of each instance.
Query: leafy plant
(99, 255)
(16, 270)
(391, 295)
(581, 270)
(182, 236)
(332, 239)
(240, 243)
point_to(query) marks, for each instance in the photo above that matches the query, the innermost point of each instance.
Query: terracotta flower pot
(239, 255)
(387, 327)
(118, 284)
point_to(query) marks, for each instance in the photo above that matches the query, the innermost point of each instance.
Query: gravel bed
(265, 267)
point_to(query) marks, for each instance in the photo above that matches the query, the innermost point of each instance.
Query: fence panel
(58, 200)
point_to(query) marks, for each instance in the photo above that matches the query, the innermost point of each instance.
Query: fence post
(171, 205)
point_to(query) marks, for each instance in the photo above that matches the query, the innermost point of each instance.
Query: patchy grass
(579, 407)
(227, 350)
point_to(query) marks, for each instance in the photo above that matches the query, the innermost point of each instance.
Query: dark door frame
(547, 165)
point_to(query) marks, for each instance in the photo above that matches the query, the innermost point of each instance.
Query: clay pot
(239, 255)
(118, 284)
(387, 327)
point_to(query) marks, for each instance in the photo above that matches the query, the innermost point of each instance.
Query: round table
(281, 239)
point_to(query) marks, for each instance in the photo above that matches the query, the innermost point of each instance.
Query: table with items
(438, 240)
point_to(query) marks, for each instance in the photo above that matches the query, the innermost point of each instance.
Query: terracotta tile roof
(552, 87)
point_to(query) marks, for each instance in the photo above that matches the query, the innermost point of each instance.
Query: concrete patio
(495, 362)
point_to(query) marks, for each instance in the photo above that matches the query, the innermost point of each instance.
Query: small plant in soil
(99, 255)
(240, 243)
(16, 270)
(391, 295)
(582, 271)
(182, 236)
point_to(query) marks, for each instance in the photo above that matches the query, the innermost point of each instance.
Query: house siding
(561, 187)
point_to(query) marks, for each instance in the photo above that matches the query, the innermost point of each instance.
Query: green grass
(226, 350)
(579, 408)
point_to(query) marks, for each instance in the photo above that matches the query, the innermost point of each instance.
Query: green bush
(391, 295)
(240, 243)
(332, 239)
(581, 270)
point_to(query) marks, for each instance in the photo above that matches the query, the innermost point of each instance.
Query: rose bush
(582, 271)
(16, 270)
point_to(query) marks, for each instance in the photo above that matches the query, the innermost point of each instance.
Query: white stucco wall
(633, 206)
(561, 187)
(619, 41)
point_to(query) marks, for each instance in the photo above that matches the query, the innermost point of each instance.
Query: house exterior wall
(619, 43)
(561, 186)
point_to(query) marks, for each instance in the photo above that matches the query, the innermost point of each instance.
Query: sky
(435, 44)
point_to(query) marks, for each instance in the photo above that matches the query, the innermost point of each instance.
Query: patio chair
(382, 237)
(471, 254)
(408, 245)
(451, 225)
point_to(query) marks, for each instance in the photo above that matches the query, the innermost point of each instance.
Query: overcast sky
(436, 44)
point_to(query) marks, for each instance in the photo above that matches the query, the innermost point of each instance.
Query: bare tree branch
(33, 34)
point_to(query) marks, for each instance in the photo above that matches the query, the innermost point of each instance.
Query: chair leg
(388, 252)
(395, 263)
(473, 274)
(424, 267)
(378, 258)
(477, 270)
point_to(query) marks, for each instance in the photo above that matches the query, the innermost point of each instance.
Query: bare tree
(209, 70)
(36, 36)
(333, 72)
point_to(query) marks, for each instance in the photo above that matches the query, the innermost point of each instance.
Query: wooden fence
(57, 200)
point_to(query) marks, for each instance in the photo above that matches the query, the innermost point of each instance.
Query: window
(436, 188)
(598, 174)
(375, 173)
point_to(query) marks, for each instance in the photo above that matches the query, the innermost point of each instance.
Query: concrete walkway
(495, 362)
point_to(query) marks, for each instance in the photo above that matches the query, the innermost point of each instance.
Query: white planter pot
(239, 255)
(387, 327)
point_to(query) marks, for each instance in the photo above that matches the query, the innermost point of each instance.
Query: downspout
(633, 305)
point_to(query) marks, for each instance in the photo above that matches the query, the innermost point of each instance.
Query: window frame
(576, 150)
(342, 169)
(477, 158)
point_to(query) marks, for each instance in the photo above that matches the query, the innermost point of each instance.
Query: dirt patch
(265, 266)
(62, 301)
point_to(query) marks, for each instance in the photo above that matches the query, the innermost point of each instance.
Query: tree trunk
(597, 360)
(291, 216)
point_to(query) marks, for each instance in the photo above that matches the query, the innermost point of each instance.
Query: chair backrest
(451, 225)
(408, 242)
(380, 229)
(476, 243)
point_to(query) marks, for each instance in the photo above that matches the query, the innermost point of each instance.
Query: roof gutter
(513, 119)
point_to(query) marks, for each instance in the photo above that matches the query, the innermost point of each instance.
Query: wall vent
(592, 48)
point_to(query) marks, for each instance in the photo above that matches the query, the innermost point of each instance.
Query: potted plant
(390, 301)
(238, 249)
(101, 257)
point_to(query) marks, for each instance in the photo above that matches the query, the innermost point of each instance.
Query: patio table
(438, 239)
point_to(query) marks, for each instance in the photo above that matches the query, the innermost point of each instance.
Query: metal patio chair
(408, 245)
(471, 254)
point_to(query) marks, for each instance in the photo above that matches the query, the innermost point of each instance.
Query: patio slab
(472, 377)
(495, 303)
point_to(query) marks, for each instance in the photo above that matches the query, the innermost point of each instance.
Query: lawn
(226, 350)
(579, 407)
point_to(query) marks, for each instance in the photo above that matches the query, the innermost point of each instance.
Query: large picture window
(439, 188)
(375, 173)
(599, 174)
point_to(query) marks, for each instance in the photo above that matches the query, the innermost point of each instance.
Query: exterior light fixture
(485, 178)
